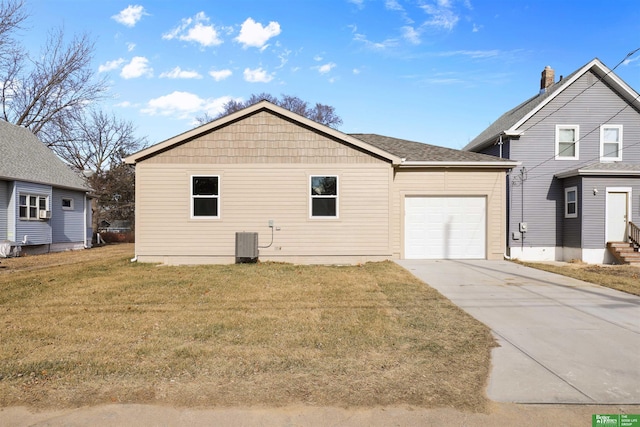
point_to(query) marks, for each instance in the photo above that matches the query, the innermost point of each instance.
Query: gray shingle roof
(419, 152)
(616, 168)
(509, 120)
(514, 115)
(23, 157)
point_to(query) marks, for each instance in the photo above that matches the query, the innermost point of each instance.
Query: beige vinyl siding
(454, 183)
(250, 196)
(263, 138)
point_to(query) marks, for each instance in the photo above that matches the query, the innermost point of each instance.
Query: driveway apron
(560, 340)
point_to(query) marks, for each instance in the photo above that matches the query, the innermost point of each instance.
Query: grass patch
(625, 278)
(89, 327)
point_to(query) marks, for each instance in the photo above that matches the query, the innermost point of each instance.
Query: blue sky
(434, 71)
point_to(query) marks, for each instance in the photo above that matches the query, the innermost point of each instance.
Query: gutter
(445, 164)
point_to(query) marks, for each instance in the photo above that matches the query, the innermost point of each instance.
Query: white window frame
(201, 196)
(602, 142)
(312, 196)
(559, 156)
(567, 202)
(67, 208)
(39, 200)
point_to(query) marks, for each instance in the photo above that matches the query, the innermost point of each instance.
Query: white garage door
(445, 228)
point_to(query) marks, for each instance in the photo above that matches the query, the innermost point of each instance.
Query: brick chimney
(548, 78)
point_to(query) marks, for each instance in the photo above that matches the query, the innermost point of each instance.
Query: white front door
(617, 216)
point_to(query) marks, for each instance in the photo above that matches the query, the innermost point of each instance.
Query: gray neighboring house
(578, 186)
(44, 205)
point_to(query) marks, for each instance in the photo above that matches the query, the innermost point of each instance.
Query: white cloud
(131, 47)
(441, 15)
(356, 71)
(219, 75)
(195, 30)
(411, 35)
(184, 105)
(124, 104)
(179, 73)
(475, 54)
(111, 65)
(324, 69)
(386, 44)
(393, 5)
(253, 34)
(138, 67)
(130, 16)
(257, 76)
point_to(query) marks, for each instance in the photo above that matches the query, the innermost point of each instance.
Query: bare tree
(11, 18)
(98, 140)
(323, 114)
(48, 92)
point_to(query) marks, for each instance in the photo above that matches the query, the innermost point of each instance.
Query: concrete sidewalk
(561, 340)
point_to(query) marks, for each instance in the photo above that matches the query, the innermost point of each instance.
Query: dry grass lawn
(625, 278)
(90, 327)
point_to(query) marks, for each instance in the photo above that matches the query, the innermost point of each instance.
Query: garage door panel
(445, 228)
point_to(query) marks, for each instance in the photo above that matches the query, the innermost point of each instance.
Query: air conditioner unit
(246, 247)
(44, 214)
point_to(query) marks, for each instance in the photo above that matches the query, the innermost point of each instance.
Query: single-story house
(44, 205)
(312, 194)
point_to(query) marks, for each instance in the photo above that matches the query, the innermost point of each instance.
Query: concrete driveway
(561, 340)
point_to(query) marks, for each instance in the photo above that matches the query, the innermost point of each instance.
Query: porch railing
(634, 233)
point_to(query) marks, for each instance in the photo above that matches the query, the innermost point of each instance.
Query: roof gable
(510, 122)
(247, 112)
(23, 157)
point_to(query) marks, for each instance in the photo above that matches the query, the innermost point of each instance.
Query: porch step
(624, 252)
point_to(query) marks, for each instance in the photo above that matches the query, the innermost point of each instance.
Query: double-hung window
(567, 146)
(30, 205)
(571, 202)
(611, 142)
(205, 197)
(324, 196)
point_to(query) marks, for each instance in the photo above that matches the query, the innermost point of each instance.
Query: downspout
(506, 248)
(84, 223)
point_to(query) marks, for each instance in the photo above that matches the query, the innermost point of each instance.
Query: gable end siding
(263, 138)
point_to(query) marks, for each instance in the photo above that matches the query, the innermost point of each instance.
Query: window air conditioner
(44, 214)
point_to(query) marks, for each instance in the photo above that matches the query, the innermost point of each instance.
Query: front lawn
(625, 278)
(90, 327)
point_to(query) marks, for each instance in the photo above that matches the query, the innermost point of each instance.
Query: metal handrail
(634, 233)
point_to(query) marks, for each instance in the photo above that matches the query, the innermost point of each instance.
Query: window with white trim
(324, 196)
(29, 206)
(205, 196)
(67, 204)
(611, 142)
(567, 146)
(571, 202)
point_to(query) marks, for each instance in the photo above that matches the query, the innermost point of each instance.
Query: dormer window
(567, 137)
(611, 143)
